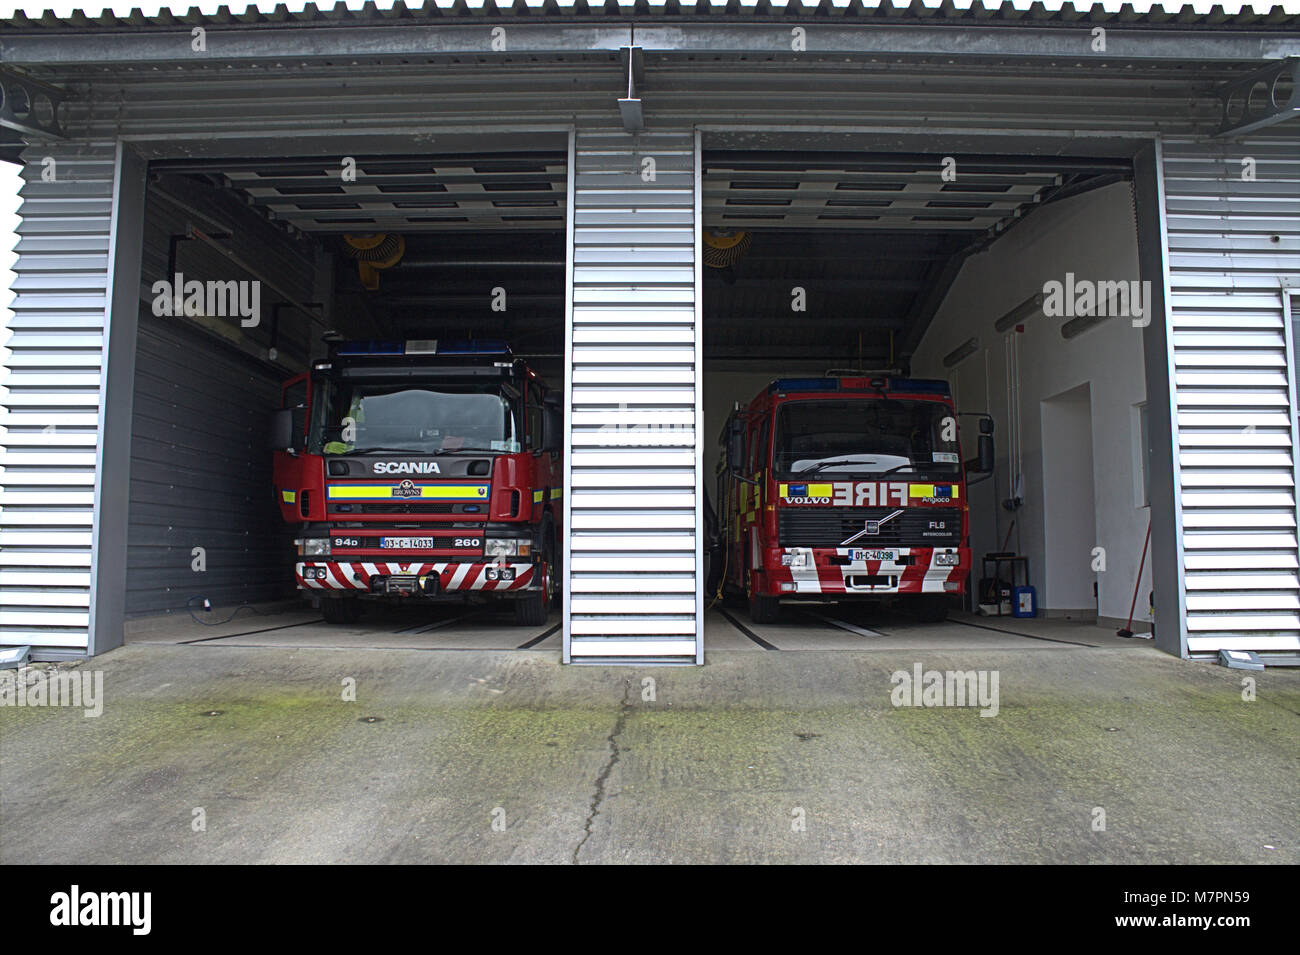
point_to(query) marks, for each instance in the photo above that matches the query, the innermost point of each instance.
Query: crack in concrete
(598, 793)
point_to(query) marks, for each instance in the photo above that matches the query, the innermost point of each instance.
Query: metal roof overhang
(118, 44)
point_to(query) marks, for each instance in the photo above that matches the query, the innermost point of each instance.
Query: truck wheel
(554, 573)
(532, 609)
(764, 609)
(341, 610)
(931, 609)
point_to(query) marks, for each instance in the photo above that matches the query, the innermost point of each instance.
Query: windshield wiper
(382, 450)
(812, 468)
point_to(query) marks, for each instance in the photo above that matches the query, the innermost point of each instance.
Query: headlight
(313, 547)
(507, 547)
(797, 560)
(947, 559)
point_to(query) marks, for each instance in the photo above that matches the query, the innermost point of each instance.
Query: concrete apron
(780, 757)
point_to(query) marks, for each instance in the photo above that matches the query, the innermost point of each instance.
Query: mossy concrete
(486, 756)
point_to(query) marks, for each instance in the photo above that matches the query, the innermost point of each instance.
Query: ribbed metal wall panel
(1233, 245)
(634, 401)
(51, 411)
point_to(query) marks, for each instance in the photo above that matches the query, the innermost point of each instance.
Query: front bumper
(452, 577)
(844, 572)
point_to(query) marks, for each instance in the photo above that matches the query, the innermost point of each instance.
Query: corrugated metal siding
(633, 401)
(51, 412)
(1230, 245)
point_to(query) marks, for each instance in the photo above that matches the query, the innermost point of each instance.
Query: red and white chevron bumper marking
(356, 575)
(922, 577)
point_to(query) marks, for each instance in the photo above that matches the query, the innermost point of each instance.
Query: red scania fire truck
(421, 470)
(843, 488)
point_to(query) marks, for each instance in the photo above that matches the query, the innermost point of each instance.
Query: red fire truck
(421, 470)
(843, 488)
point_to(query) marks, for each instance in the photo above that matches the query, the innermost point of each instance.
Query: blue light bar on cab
(372, 348)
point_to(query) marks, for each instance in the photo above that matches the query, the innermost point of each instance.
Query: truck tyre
(931, 609)
(341, 609)
(764, 609)
(532, 609)
(554, 570)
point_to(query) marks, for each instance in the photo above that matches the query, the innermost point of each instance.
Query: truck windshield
(355, 418)
(865, 436)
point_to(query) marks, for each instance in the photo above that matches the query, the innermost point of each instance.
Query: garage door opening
(366, 284)
(850, 284)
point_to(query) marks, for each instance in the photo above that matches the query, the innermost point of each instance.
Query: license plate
(406, 543)
(889, 556)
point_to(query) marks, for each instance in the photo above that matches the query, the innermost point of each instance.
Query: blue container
(1024, 602)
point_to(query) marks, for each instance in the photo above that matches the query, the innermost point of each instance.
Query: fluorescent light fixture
(1027, 309)
(967, 348)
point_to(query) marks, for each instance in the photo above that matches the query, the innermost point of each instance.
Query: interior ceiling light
(1027, 309)
(964, 350)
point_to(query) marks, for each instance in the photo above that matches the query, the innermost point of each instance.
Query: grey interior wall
(200, 463)
(201, 474)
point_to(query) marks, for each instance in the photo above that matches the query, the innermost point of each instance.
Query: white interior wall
(1092, 235)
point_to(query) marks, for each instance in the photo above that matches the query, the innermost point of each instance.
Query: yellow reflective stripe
(289, 497)
(927, 490)
(389, 491)
(557, 492)
(537, 496)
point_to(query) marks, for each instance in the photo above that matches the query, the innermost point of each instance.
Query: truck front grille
(406, 508)
(830, 526)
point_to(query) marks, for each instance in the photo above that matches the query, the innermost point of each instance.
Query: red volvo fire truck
(846, 488)
(421, 470)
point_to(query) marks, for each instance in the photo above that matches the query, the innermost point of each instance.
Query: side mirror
(552, 425)
(986, 425)
(985, 453)
(281, 437)
(735, 445)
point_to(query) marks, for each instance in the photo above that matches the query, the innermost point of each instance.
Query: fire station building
(1087, 222)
